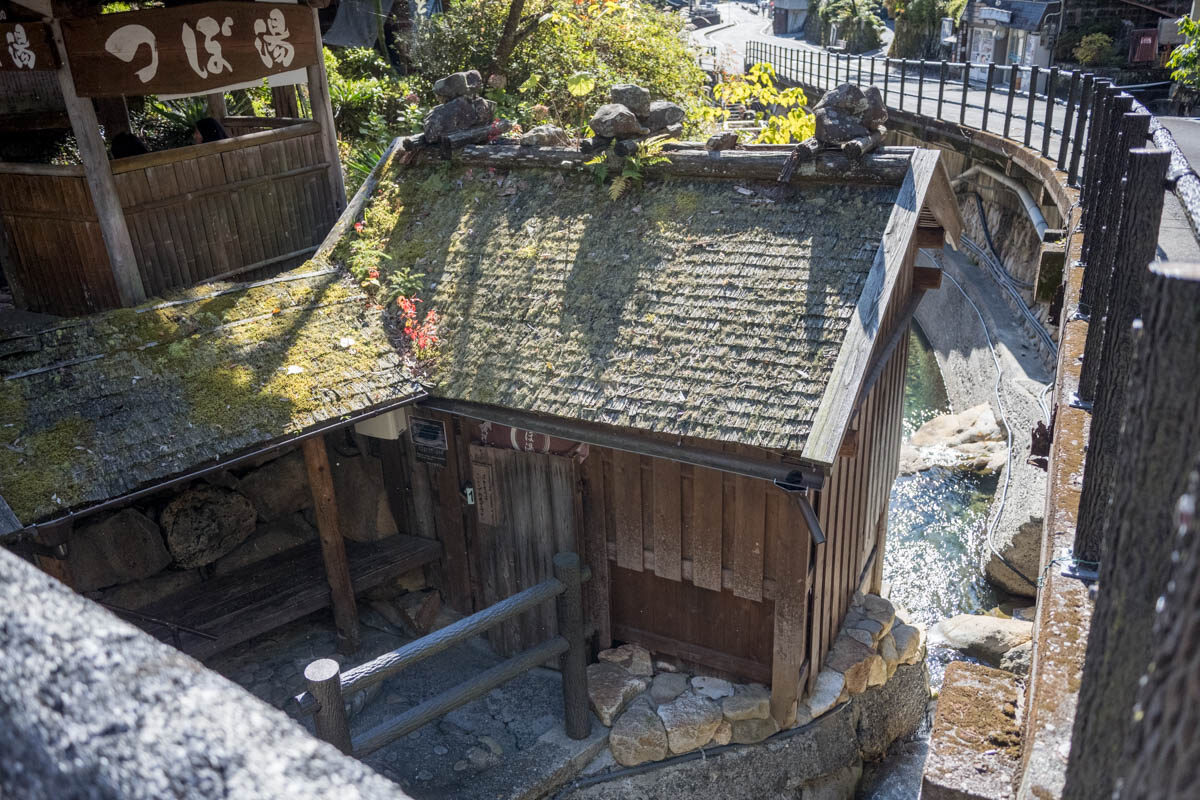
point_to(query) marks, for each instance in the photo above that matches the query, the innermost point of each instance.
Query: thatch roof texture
(94, 408)
(694, 307)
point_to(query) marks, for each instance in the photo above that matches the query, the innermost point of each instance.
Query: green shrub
(609, 42)
(857, 20)
(1185, 59)
(365, 92)
(1094, 49)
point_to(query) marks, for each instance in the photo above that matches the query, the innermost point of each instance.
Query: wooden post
(324, 680)
(333, 547)
(216, 106)
(1160, 437)
(109, 214)
(1109, 347)
(322, 111)
(791, 613)
(569, 605)
(285, 102)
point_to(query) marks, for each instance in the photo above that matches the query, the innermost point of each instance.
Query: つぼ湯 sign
(187, 49)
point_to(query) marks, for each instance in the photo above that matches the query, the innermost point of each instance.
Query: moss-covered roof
(97, 407)
(694, 307)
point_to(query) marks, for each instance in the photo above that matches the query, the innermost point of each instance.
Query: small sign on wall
(429, 440)
(483, 476)
(189, 49)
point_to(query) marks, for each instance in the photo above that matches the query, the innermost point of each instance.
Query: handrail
(1070, 93)
(327, 687)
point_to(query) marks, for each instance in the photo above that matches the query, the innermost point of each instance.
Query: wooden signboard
(26, 46)
(187, 49)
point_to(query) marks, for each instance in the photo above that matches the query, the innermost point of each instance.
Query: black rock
(615, 120)
(664, 114)
(459, 114)
(633, 97)
(459, 84)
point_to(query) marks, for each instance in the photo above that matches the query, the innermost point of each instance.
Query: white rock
(747, 702)
(712, 688)
(878, 674)
(638, 735)
(632, 657)
(667, 686)
(981, 636)
(826, 691)
(690, 720)
(907, 639)
(610, 688)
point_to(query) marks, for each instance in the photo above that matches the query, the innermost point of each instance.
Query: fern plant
(633, 167)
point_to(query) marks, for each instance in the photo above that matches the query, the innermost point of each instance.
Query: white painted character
(18, 48)
(271, 40)
(124, 43)
(210, 29)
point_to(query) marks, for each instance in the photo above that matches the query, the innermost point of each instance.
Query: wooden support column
(103, 188)
(216, 106)
(791, 613)
(322, 111)
(284, 101)
(333, 546)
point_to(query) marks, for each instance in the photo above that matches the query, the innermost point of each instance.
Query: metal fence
(328, 687)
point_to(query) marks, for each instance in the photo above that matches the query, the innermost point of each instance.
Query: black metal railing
(328, 687)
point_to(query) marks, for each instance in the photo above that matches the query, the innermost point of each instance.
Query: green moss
(12, 410)
(43, 465)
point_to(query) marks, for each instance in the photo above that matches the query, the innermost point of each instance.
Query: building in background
(1018, 32)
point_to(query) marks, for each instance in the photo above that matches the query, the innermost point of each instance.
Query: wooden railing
(201, 213)
(327, 687)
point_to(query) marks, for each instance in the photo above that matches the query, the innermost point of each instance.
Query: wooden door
(525, 504)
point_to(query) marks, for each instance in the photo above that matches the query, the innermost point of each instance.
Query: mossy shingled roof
(705, 308)
(97, 407)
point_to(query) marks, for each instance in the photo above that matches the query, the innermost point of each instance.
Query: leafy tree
(1094, 49)
(576, 45)
(1185, 59)
(857, 21)
(783, 112)
(919, 25)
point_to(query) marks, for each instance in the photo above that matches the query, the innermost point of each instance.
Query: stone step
(975, 747)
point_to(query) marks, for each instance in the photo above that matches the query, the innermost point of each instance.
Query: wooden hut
(104, 233)
(698, 386)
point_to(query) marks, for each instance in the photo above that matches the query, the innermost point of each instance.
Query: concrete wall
(91, 707)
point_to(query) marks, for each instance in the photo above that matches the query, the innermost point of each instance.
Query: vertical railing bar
(1072, 99)
(324, 680)
(962, 107)
(1033, 76)
(920, 85)
(903, 74)
(887, 72)
(1051, 86)
(941, 87)
(1013, 75)
(873, 72)
(987, 94)
(1077, 148)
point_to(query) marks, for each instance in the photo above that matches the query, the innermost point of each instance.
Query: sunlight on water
(936, 521)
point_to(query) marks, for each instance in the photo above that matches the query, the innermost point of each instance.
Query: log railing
(328, 687)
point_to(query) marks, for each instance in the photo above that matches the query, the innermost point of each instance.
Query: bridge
(1126, 425)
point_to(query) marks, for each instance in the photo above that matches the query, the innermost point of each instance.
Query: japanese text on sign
(187, 49)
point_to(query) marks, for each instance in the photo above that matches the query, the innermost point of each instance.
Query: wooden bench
(275, 591)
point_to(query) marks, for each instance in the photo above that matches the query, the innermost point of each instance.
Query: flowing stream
(936, 521)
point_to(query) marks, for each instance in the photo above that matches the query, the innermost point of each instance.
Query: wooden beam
(849, 447)
(736, 666)
(927, 278)
(322, 111)
(791, 615)
(933, 238)
(103, 188)
(333, 546)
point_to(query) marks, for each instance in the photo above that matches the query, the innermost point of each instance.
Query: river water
(936, 521)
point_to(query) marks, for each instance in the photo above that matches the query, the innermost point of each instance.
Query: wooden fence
(201, 213)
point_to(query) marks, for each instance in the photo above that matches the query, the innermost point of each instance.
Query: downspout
(1018, 188)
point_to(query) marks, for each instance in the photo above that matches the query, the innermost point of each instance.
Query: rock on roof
(94, 408)
(695, 307)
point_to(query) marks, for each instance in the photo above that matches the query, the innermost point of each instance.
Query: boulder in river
(971, 439)
(980, 636)
(1019, 547)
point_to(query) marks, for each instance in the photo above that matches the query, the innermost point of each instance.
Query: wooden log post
(791, 613)
(322, 111)
(569, 607)
(1159, 439)
(324, 680)
(1159, 759)
(216, 106)
(109, 214)
(333, 547)
(285, 101)
(1139, 237)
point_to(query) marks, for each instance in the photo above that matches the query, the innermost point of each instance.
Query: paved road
(909, 88)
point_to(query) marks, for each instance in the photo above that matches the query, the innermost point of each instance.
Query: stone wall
(93, 708)
(217, 525)
(657, 712)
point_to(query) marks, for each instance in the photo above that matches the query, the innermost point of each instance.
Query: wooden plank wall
(202, 213)
(30, 93)
(852, 508)
(56, 259)
(227, 208)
